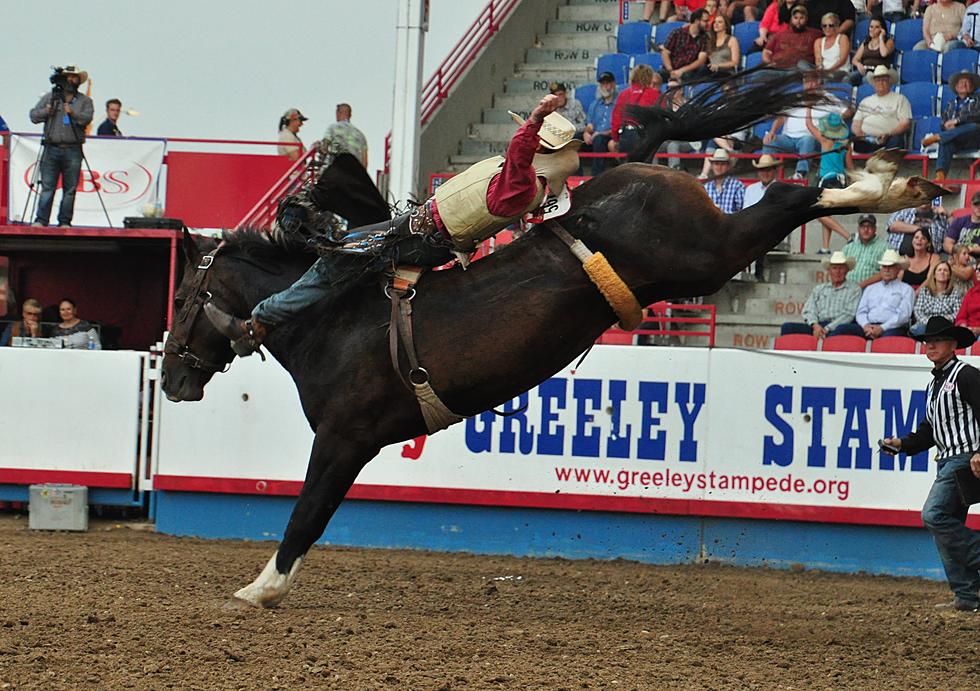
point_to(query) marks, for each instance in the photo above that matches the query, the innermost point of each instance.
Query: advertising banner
(653, 430)
(125, 172)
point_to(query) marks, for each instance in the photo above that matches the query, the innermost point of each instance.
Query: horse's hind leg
(334, 465)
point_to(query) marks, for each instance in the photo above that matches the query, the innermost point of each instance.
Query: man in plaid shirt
(726, 192)
(830, 308)
(686, 48)
(904, 222)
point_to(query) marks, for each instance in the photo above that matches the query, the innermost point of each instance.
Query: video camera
(60, 81)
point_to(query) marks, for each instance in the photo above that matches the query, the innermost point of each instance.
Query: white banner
(125, 172)
(712, 432)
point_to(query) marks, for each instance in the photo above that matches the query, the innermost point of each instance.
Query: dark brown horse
(494, 331)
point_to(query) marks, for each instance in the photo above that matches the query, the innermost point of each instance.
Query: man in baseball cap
(867, 250)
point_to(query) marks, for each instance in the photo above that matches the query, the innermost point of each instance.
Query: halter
(189, 313)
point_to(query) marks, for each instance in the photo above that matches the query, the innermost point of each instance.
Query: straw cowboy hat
(839, 257)
(972, 76)
(765, 162)
(832, 126)
(73, 69)
(720, 156)
(941, 328)
(882, 71)
(556, 131)
(893, 258)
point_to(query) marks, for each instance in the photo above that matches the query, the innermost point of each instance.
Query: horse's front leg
(335, 462)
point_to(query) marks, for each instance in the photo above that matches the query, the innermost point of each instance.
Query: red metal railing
(663, 313)
(262, 214)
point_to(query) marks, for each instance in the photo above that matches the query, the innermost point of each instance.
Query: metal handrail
(262, 214)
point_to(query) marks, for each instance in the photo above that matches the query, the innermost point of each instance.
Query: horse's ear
(191, 251)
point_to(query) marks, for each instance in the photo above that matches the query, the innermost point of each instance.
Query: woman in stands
(76, 333)
(877, 49)
(641, 92)
(830, 52)
(937, 298)
(922, 260)
(969, 314)
(774, 19)
(964, 274)
(724, 54)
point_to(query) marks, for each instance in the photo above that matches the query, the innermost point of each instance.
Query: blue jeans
(600, 145)
(801, 145)
(960, 138)
(869, 144)
(55, 162)
(849, 329)
(944, 514)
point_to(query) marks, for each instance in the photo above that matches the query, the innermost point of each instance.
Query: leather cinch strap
(613, 288)
(401, 290)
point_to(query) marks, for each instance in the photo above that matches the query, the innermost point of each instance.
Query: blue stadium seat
(841, 90)
(945, 97)
(919, 66)
(617, 63)
(907, 33)
(865, 90)
(652, 59)
(923, 126)
(663, 31)
(959, 60)
(745, 33)
(634, 37)
(585, 95)
(761, 129)
(922, 96)
(751, 60)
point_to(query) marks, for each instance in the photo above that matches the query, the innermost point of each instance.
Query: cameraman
(933, 219)
(65, 113)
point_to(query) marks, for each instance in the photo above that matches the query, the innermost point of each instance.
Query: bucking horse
(511, 320)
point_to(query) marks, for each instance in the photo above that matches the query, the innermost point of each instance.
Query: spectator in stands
(648, 7)
(961, 122)
(941, 25)
(936, 298)
(641, 92)
(886, 306)
(64, 128)
(29, 325)
(831, 51)
(832, 136)
(844, 9)
(883, 118)
(774, 20)
(598, 127)
(877, 49)
(867, 251)
(795, 137)
(673, 146)
(970, 29)
(793, 49)
(741, 11)
(890, 10)
(965, 230)
(110, 126)
(768, 168)
(342, 136)
(962, 265)
(969, 314)
(685, 50)
(830, 308)
(902, 224)
(289, 125)
(76, 333)
(726, 191)
(684, 10)
(923, 258)
(723, 55)
(569, 108)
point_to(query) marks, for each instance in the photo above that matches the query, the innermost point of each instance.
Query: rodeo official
(952, 425)
(465, 210)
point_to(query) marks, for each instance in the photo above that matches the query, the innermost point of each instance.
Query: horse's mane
(259, 243)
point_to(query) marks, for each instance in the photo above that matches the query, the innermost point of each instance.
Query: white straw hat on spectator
(73, 69)
(556, 131)
(765, 161)
(882, 71)
(839, 257)
(720, 156)
(893, 258)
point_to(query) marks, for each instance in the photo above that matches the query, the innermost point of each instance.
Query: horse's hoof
(234, 604)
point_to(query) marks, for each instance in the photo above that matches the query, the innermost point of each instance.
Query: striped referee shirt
(952, 421)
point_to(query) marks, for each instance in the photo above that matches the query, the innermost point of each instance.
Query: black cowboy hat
(943, 328)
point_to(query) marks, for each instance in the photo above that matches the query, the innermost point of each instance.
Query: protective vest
(462, 200)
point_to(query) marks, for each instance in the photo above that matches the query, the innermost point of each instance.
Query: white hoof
(271, 587)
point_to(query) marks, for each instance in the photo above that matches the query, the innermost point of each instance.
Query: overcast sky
(223, 69)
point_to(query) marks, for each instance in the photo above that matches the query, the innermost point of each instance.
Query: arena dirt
(121, 607)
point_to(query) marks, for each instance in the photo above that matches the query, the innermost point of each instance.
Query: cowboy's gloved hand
(548, 104)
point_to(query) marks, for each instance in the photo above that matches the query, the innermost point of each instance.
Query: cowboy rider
(465, 210)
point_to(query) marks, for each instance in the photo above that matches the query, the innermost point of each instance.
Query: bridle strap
(190, 313)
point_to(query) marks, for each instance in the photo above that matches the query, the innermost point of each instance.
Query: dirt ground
(122, 607)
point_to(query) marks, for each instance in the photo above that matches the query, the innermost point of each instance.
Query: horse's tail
(720, 106)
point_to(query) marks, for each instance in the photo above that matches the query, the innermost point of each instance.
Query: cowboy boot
(245, 336)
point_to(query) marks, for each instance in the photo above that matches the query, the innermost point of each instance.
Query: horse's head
(195, 350)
